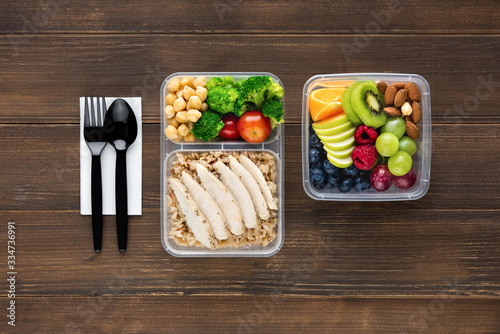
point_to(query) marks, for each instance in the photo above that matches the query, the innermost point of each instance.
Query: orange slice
(325, 102)
(333, 84)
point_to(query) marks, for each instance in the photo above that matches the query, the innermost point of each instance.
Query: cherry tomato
(229, 131)
(254, 127)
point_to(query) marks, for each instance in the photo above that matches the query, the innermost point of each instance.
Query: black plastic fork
(95, 136)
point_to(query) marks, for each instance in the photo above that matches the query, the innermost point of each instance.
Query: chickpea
(170, 98)
(190, 125)
(174, 85)
(193, 115)
(179, 104)
(179, 93)
(181, 117)
(201, 92)
(187, 92)
(169, 111)
(200, 81)
(204, 106)
(187, 81)
(195, 102)
(183, 130)
(171, 132)
(173, 121)
(189, 137)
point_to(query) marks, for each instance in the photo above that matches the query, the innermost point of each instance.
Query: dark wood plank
(36, 157)
(335, 250)
(256, 315)
(45, 76)
(236, 16)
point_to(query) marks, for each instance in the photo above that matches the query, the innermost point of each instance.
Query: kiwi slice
(346, 106)
(368, 104)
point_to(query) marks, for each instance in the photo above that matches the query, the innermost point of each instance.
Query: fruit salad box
(180, 152)
(366, 137)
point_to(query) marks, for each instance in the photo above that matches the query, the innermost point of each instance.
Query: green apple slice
(340, 162)
(340, 154)
(331, 122)
(341, 145)
(335, 130)
(338, 137)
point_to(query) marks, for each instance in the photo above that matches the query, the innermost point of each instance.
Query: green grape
(408, 145)
(400, 163)
(395, 125)
(387, 144)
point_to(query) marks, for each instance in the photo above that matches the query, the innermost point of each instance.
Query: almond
(389, 95)
(381, 86)
(399, 85)
(400, 98)
(411, 128)
(393, 112)
(413, 92)
(416, 116)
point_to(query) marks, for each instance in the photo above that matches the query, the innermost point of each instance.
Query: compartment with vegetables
(230, 108)
(364, 135)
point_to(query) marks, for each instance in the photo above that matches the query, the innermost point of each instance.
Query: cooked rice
(263, 234)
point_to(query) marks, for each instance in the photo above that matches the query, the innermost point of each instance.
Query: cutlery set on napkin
(110, 175)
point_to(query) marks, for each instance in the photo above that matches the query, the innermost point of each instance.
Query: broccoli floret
(273, 109)
(214, 82)
(253, 90)
(220, 82)
(275, 92)
(256, 90)
(208, 126)
(222, 99)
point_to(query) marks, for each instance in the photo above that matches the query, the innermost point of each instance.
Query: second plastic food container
(421, 160)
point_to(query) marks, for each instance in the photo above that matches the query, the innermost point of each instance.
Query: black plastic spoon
(121, 131)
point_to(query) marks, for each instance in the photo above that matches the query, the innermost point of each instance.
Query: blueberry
(314, 142)
(319, 185)
(346, 184)
(313, 155)
(330, 169)
(334, 180)
(361, 183)
(351, 171)
(316, 165)
(317, 175)
(329, 185)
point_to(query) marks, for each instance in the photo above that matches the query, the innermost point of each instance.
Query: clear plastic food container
(274, 145)
(421, 159)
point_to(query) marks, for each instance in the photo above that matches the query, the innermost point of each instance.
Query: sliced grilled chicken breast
(207, 206)
(259, 177)
(240, 193)
(223, 197)
(253, 188)
(195, 219)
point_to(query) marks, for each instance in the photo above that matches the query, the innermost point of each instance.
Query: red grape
(381, 178)
(406, 181)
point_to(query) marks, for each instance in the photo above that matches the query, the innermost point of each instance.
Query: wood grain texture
(237, 16)
(263, 314)
(426, 266)
(339, 252)
(34, 158)
(46, 74)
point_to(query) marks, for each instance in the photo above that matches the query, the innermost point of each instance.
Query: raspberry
(365, 135)
(365, 156)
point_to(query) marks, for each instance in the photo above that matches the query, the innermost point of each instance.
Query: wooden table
(431, 265)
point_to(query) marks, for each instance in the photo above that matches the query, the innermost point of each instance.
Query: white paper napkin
(108, 161)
